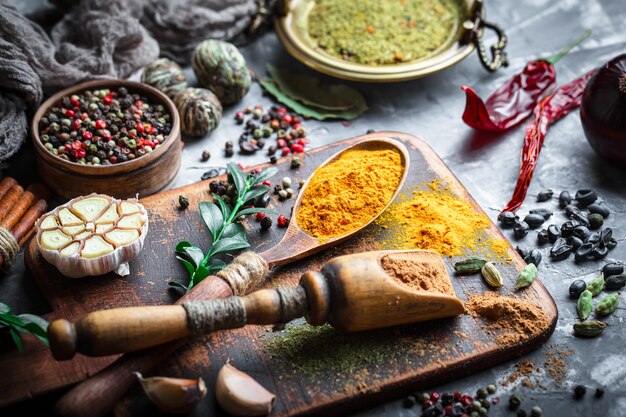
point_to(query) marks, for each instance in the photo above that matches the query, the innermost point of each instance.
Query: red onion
(603, 110)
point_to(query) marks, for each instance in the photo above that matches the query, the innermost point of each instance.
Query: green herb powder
(379, 32)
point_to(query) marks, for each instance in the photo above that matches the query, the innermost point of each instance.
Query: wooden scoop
(352, 293)
(98, 394)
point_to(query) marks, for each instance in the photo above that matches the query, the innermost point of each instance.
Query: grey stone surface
(487, 165)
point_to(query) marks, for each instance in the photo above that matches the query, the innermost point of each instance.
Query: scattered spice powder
(512, 320)
(349, 192)
(374, 32)
(438, 220)
(419, 270)
(555, 363)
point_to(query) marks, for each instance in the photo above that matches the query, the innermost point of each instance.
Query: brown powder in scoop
(419, 270)
(512, 320)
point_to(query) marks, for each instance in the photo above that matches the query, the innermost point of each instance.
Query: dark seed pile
(582, 235)
(260, 126)
(104, 127)
(456, 404)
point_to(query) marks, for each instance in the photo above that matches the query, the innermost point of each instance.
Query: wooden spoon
(97, 395)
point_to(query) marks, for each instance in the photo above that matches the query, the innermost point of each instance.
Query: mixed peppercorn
(454, 404)
(261, 125)
(104, 127)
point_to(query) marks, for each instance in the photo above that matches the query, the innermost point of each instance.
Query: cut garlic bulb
(92, 235)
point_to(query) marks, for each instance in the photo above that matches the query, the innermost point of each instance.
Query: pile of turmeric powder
(350, 191)
(439, 220)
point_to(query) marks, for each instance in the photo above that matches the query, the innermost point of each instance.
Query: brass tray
(290, 27)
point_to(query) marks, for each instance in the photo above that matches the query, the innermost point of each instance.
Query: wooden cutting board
(359, 370)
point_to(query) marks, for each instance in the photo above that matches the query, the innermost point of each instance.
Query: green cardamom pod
(608, 304)
(591, 328)
(469, 265)
(526, 277)
(491, 275)
(596, 285)
(584, 305)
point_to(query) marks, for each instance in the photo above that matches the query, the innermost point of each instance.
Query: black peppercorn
(183, 202)
(296, 162)
(514, 401)
(266, 223)
(205, 155)
(599, 392)
(579, 391)
(273, 159)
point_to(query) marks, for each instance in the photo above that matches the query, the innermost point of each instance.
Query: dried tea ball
(200, 111)
(165, 75)
(220, 67)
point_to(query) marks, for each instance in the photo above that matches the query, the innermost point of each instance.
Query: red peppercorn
(287, 118)
(457, 395)
(467, 400)
(151, 130)
(139, 127)
(295, 122)
(106, 135)
(87, 135)
(139, 103)
(281, 111)
(76, 124)
(448, 410)
(434, 396)
(74, 102)
(257, 170)
(427, 403)
(286, 151)
(100, 124)
(281, 143)
(495, 400)
(297, 148)
(113, 159)
(266, 182)
(260, 216)
(84, 116)
(240, 165)
(282, 221)
(69, 113)
(79, 153)
(132, 135)
(107, 100)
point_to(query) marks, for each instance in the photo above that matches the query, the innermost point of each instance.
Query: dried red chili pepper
(549, 110)
(516, 99)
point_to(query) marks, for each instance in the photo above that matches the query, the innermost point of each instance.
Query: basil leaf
(239, 177)
(230, 244)
(255, 192)
(188, 266)
(234, 229)
(310, 111)
(4, 308)
(223, 207)
(314, 91)
(176, 284)
(17, 339)
(212, 217)
(263, 175)
(247, 211)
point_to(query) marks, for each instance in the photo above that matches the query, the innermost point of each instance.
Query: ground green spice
(375, 32)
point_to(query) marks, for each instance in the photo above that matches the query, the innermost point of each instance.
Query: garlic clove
(73, 230)
(109, 216)
(95, 246)
(121, 237)
(240, 395)
(132, 221)
(102, 228)
(173, 395)
(83, 235)
(71, 249)
(54, 239)
(128, 208)
(68, 218)
(49, 222)
(89, 208)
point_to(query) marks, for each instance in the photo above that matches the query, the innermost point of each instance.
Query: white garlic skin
(173, 395)
(241, 395)
(77, 266)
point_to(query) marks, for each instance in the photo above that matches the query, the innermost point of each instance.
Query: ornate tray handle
(476, 26)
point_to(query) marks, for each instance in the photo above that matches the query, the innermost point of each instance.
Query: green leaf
(308, 111)
(230, 244)
(263, 175)
(253, 210)
(194, 254)
(255, 192)
(212, 216)
(315, 92)
(38, 332)
(11, 319)
(217, 263)
(239, 177)
(177, 284)
(201, 273)
(223, 206)
(180, 247)
(188, 265)
(38, 321)
(17, 339)
(234, 229)
(4, 308)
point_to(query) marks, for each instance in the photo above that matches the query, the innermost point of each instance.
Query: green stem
(555, 58)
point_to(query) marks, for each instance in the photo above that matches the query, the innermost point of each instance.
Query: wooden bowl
(145, 175)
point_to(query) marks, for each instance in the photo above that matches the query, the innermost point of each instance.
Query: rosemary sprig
(220, 219)
(22, 324)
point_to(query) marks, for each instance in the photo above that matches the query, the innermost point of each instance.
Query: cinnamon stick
(5, 184)
(25, 227)
(10, 199)
(18, 210)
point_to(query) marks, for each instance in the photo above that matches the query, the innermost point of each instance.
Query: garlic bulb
(240, 395)
(173, 395)
(92, 235)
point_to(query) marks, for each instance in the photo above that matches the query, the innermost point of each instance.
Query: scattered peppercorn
(296, 162)
(282, 221)
(599, 392)
(205, 155)
(104, 127)
(491, 388)
(266, 223)
(260, 216)
(521, 413)
(514, 401)
(183, 202)
(579, 391)
(286, 182)
(535, 411)
(410, 401)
